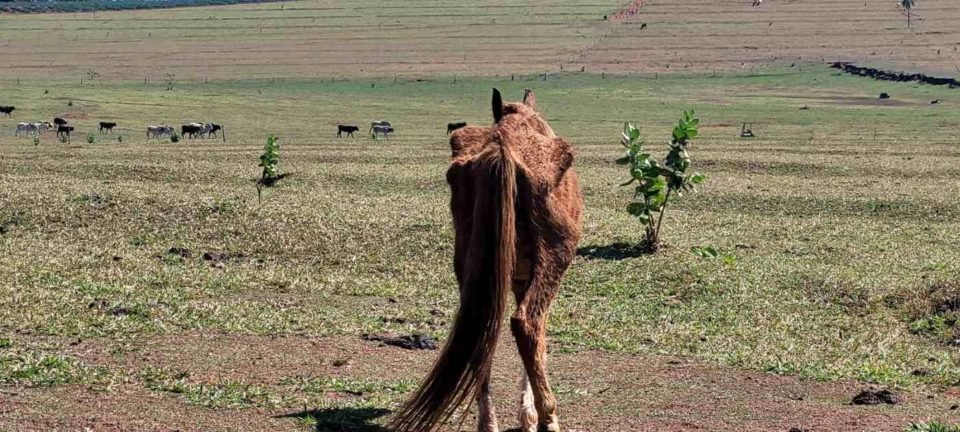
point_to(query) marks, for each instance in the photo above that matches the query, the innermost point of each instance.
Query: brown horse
(516, 206)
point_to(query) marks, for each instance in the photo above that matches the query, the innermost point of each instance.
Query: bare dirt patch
(620, 392)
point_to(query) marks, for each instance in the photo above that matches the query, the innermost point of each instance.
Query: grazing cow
(191, 130)
(107, 126)
(59, 121)
(349, 129)
(64, 131)
(757, 3)
(376, 123)
(454, 126)
(43, 127)
(382, 130)
(517, 206)
(7, 110)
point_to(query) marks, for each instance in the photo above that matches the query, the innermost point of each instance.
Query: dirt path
(620, 392)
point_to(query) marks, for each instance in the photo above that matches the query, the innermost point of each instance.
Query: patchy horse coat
(516, 205)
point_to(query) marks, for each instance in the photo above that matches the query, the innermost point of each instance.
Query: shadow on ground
(613, 252)
(343, 419)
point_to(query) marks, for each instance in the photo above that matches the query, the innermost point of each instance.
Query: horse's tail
(465, 362)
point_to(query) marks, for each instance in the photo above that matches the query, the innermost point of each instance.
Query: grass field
(841, 218)
(332, 38)
(146, 279)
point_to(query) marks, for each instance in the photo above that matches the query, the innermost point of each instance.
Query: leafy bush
(658, 183)
(91, 138)
(269, 160)
(174, 137)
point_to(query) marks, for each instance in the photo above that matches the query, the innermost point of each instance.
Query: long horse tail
(466, 360)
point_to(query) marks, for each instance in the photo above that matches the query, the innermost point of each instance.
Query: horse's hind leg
(528, 410)
(529, 325)
(529, 328)
(486, 415)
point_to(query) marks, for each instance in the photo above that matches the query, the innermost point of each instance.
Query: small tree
(656, 183)
(907, 5)
(269, 161)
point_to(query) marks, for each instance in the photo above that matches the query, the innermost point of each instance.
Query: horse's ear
(497, 106)
(529, 99)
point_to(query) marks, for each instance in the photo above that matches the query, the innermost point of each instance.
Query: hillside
(421, 38)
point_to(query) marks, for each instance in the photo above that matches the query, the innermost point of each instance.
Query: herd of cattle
(63, 129)
(377, 128)
(384, 128)
(190, 130)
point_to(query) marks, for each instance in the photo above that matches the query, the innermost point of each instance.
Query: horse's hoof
(551, 425)
(528, 421)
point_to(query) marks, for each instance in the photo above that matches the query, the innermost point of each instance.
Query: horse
(382, 130)
(454, 126)
(349, 129)
(7, 111)
(107, 126)
(517, 206)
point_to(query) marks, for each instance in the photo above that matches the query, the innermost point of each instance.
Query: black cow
(191, 130)
(7, 110)
(59, 121)
(349, 129)
(107, 126)
(212, 130)
(64, 131)
(454, 126)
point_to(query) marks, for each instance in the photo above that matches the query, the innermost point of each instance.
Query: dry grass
(321, 39)
(840, 217)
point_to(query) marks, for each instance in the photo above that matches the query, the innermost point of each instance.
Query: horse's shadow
(613, 252)
(343, 419)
